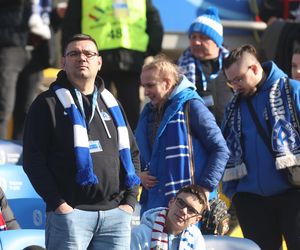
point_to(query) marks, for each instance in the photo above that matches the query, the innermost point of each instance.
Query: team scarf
(159, 236)
(84, 165)
(177, 154)
(189, 64)
(3, 226)
(284, 131)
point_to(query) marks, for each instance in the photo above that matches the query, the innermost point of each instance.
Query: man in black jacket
(117, 28)
(81, 157)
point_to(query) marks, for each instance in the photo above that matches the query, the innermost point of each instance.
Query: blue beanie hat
(209, 24)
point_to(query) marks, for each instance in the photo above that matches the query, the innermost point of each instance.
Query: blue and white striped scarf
(235, 168)
(177, 154)
(84, 164)
(160, 239)
(189, 64)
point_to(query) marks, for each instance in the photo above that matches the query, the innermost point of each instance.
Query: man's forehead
(82, 44)
(185, 196)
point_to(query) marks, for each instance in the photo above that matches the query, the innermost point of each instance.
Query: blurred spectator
(7, 219)
(202, 61)
(26, 48)
(127, 32)
(14, 16)
(296, 64)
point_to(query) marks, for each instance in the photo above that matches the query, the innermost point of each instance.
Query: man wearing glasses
(173, 227)
(262, 132)
(80, 155)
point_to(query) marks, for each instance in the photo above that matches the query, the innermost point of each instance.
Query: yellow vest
(116, 23)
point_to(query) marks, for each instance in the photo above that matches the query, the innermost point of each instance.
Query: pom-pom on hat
(209, 24)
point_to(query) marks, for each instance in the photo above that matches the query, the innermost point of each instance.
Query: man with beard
(202, 61)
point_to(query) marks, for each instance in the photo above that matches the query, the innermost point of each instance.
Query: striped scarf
(84, 165)
(177, 154)
(3, 226)
(159, 236)
(235, 168)
(189, 64)
(284, 135)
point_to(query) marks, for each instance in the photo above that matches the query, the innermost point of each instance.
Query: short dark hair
(237, 53)
(195, 190)
(79, 37)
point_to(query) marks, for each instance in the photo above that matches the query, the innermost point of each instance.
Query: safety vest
(116, 23)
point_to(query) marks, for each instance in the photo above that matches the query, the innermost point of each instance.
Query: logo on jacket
(105, 116)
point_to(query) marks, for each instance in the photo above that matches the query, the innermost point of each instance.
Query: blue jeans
(80, 229)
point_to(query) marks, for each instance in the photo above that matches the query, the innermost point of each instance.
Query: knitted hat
(209, 24)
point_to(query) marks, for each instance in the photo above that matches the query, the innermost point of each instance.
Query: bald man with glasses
(262, 132)
(173, 227)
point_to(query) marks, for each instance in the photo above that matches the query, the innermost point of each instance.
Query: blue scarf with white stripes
(84, 164)
(177, 154)
(189, 64)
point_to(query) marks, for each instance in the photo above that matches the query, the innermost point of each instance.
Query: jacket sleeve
(7, 214)
(206, 130)
(35, 152)
(154, 29)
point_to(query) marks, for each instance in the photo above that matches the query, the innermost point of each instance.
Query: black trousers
(128, 87)
(266, 219)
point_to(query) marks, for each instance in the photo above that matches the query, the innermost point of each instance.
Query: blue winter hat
(209, 24)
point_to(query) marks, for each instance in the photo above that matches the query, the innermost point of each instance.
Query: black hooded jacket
(49, 158)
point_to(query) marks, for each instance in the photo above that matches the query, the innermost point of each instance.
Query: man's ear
(198, 218)
(254, 68)
(168, 82)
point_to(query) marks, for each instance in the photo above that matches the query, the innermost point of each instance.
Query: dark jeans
(266, 219)
(127, 85)
(12, 62)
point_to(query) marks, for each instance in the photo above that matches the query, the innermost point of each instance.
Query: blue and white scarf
(177, 154)
(189, 64)
(284, 135)
(84, 164)
(160, 239)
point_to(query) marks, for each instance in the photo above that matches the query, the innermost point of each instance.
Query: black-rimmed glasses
(180, 203)
(75, 54)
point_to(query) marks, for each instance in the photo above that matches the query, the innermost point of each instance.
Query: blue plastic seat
(229, 243)
(28, 207)
(11, 152)
(21, 238)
